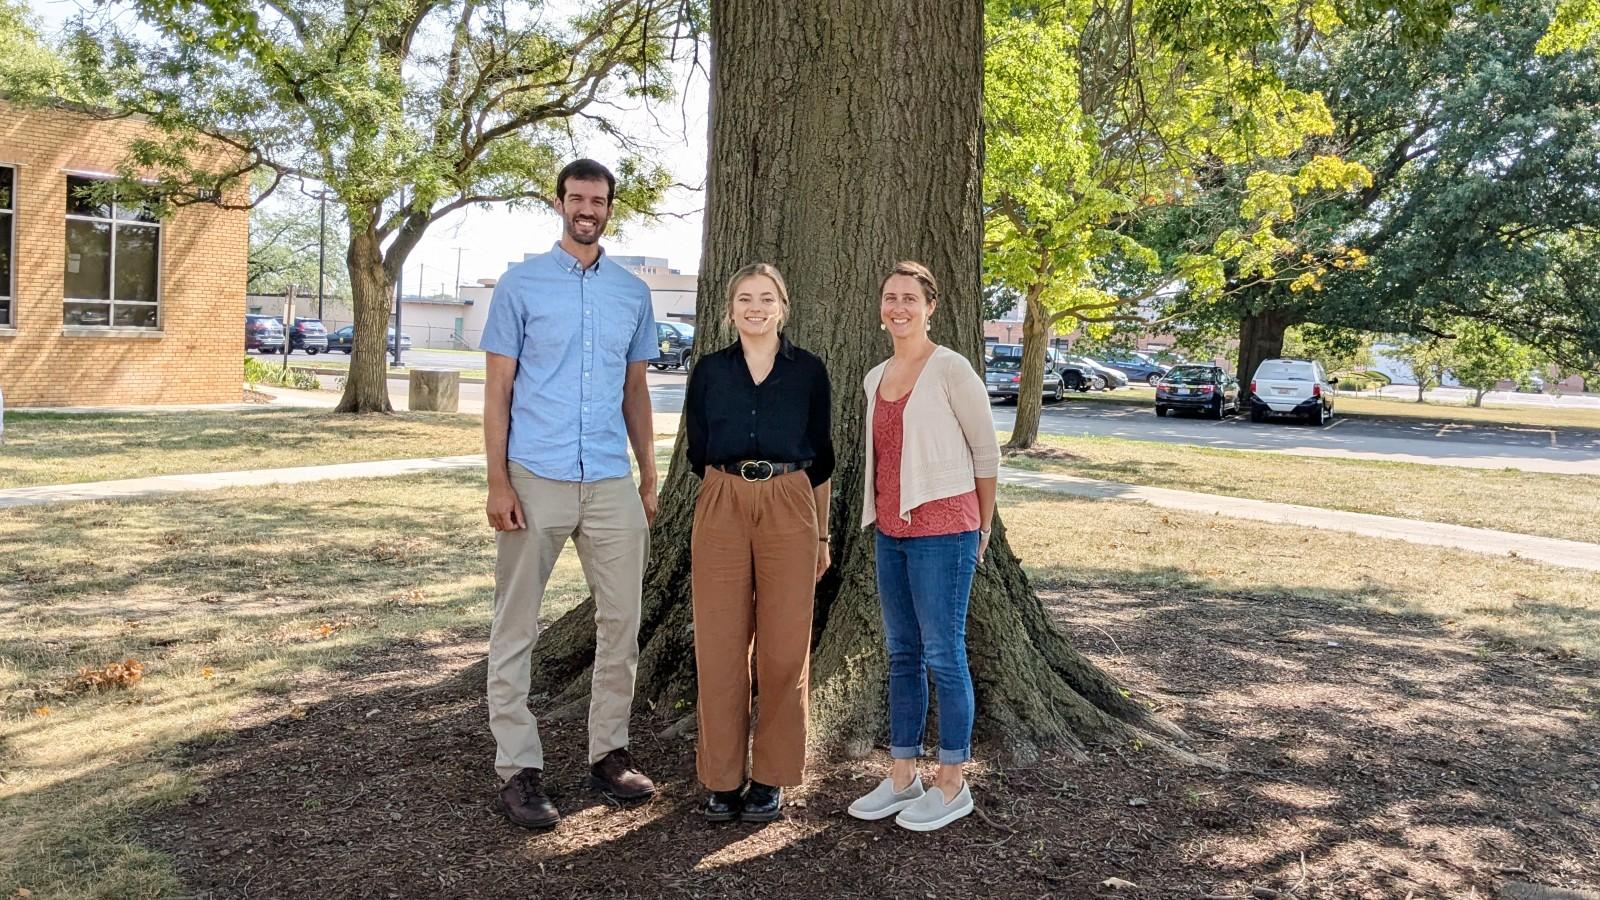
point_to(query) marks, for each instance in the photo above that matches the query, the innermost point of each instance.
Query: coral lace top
(946, 515)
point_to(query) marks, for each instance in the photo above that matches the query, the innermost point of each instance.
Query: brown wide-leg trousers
(754, 575)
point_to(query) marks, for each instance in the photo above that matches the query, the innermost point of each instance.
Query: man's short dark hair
(586, 170)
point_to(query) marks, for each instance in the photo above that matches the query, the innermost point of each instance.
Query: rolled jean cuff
(954, 757)
(905, 752)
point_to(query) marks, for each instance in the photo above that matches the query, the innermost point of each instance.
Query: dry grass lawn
(1559, 506)
(242, 603)
(67, 448)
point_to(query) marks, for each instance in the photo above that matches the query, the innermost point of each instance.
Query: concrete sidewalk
(157, 485)
(1556, 552)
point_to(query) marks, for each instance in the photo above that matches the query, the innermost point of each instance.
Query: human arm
(503, 507)
(819, 434)
(970, 401)
(694, 419)
(637, 417)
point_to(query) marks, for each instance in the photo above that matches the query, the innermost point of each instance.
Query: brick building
(105, 304)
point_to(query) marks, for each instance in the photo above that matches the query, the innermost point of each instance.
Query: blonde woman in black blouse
(757, 419)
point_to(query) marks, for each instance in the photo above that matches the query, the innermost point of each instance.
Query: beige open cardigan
(949, 435)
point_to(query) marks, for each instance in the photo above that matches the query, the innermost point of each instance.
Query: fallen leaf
(41, 711)
(1117, 884)
(207, 672)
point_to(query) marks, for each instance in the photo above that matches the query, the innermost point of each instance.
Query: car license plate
(1278, 390)
(1183, 390)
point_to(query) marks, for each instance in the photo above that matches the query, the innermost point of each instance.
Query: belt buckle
(747, 466)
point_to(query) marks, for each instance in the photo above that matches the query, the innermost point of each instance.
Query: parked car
(1193, 388)
(308, 335)
(1291, 387)
(677, 343)
(1103, 377)
(1004, 378)
(263, 334)
(1074, 376)
(1137, 366)
(344, 338)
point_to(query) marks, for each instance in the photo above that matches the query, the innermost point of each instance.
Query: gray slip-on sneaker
(931, 813)
(884, 801)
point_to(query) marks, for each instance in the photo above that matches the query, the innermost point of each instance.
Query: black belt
(760, 469)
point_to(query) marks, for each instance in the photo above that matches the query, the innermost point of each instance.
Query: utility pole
(457, 291)
(399, 308)
(322, 228)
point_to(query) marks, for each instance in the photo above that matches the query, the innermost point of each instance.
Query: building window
(113, 261)
(8, 244)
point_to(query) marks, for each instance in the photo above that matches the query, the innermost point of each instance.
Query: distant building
(672, 293)
(103, 303)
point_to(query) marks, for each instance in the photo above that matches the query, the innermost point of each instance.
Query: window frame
(8, 285)
(115, 222)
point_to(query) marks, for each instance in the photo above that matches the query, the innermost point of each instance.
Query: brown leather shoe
(617, 777)
(523, 801)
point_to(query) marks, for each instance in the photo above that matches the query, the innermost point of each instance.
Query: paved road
(1483, 446)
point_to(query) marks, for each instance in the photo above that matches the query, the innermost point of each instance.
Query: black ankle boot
(762, 802)
(724, 806)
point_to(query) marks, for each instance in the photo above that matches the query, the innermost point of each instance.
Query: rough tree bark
(1260, 337)
(366, 387)
(1030, 390)
(845, 135)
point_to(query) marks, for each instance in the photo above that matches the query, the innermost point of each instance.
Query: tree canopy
(406, 111)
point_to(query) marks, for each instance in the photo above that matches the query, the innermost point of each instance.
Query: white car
(1292, 387)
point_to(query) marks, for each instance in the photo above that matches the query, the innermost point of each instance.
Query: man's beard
(572, 231)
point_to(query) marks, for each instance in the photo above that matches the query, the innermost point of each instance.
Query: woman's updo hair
(930, 287)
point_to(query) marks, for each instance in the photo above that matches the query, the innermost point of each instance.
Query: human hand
(504, 509)
(824, 558)
(652, 504)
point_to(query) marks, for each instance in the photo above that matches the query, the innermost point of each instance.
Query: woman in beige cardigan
(931, 464)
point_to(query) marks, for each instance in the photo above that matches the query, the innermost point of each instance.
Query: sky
(491, 239)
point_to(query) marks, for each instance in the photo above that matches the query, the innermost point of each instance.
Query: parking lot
(1525, 447)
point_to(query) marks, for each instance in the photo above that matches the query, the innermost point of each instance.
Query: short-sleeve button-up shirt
(573, 331)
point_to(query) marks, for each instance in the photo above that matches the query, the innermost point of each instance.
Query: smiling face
(757, 306)
(585, 209)
(903, 308)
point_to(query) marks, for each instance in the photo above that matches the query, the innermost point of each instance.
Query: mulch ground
(1369, 756)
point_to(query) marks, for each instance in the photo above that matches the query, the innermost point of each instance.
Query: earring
(882, 327)
(927, 324)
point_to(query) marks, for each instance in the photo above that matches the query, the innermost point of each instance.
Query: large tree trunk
(366, 388)
(845, 136)
(1030, 400)
(1260, 337)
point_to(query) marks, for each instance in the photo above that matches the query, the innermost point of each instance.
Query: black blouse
(785, 419)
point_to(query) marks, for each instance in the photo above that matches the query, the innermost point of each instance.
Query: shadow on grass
(1374, 744)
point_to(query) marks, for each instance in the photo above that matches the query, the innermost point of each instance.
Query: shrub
(258, 372)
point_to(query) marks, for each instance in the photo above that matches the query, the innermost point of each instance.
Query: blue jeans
(924, 584)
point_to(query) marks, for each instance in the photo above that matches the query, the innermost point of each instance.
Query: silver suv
(1292, 387)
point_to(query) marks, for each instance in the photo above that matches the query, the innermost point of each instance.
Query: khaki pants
(754, 574)
(605, 519)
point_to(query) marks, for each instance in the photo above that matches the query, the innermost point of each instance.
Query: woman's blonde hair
(770, 271)
(924, 277)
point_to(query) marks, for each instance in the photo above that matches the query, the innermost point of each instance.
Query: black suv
(676, 340)
(308, 335)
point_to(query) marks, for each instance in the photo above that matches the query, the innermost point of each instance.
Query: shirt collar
(570, 264)
(785, 348)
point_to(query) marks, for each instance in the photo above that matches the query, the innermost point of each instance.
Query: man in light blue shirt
(567, 340)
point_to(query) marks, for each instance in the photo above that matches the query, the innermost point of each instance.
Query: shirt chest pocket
(616, 321)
